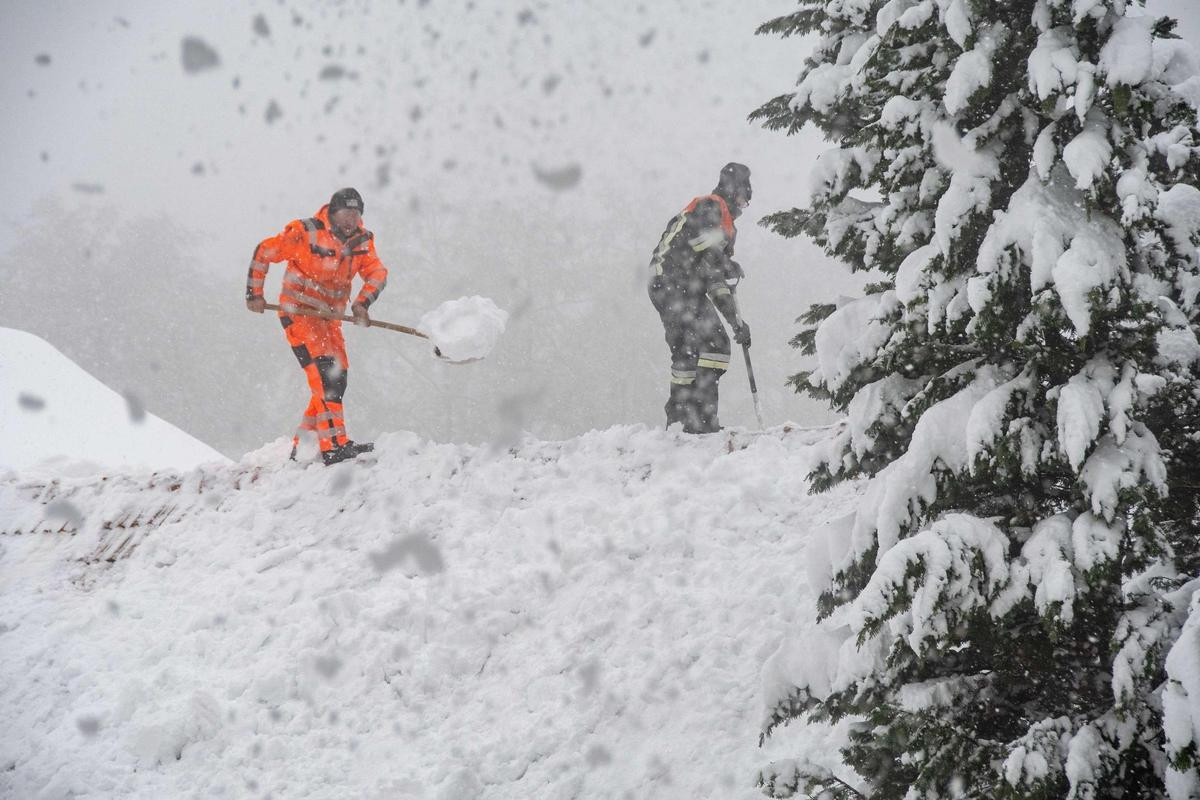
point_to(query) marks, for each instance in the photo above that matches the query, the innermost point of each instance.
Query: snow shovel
(750, 373)
(391, 326)
(753, 386)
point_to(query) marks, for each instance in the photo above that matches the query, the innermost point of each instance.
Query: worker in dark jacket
(692, 275)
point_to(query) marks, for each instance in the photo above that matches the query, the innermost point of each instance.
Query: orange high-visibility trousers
(321, 351)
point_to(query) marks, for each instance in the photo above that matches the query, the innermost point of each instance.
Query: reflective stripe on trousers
(325, 433)
(683, 377)
(309, 422)
(713, 361)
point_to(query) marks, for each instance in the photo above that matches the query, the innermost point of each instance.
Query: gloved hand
(258, 305)
(361, 318)
(734, 273)
(741, 333)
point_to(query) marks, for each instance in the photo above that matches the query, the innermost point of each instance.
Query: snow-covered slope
(584, 618)
(53, 411)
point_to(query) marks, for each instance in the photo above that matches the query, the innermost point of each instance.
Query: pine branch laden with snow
(1009, 612)
(799, 778)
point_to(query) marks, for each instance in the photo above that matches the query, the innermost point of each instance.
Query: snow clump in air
(561, 178)
(198, 55)
(466, 328)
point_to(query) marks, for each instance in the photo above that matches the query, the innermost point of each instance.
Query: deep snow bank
(584, 618)
(55, 415)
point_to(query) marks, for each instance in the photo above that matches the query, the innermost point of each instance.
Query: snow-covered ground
(55, 416)
(575, 619)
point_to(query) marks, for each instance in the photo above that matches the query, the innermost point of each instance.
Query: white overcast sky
(454, 98)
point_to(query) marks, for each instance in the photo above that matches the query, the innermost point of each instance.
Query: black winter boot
(346, 452)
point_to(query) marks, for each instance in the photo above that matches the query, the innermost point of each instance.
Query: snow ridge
(584, 618)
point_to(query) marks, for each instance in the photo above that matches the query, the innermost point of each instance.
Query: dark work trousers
(699, 353)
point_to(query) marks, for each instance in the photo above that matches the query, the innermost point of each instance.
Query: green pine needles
(1008, 611)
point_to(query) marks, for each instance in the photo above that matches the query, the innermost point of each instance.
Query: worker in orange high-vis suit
(324, 253)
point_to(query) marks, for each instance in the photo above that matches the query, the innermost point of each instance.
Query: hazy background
(528, 152)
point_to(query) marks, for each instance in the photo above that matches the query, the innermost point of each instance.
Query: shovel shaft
(750, 370)
(373, 323)
(303, 312)
(753, 385)
(750, 374)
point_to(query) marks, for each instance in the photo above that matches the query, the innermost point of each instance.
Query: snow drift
(585, 618)
(55, 414)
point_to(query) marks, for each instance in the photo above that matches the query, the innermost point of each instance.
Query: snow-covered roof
(56, 417)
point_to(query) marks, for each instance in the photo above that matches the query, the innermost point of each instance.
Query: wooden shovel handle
(374, 323)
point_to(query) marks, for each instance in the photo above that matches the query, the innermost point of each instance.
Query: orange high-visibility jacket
(320, 266)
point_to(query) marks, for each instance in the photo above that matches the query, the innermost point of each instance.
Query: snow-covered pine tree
(1009, 611)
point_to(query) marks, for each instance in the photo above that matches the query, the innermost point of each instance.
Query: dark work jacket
(695, 253)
